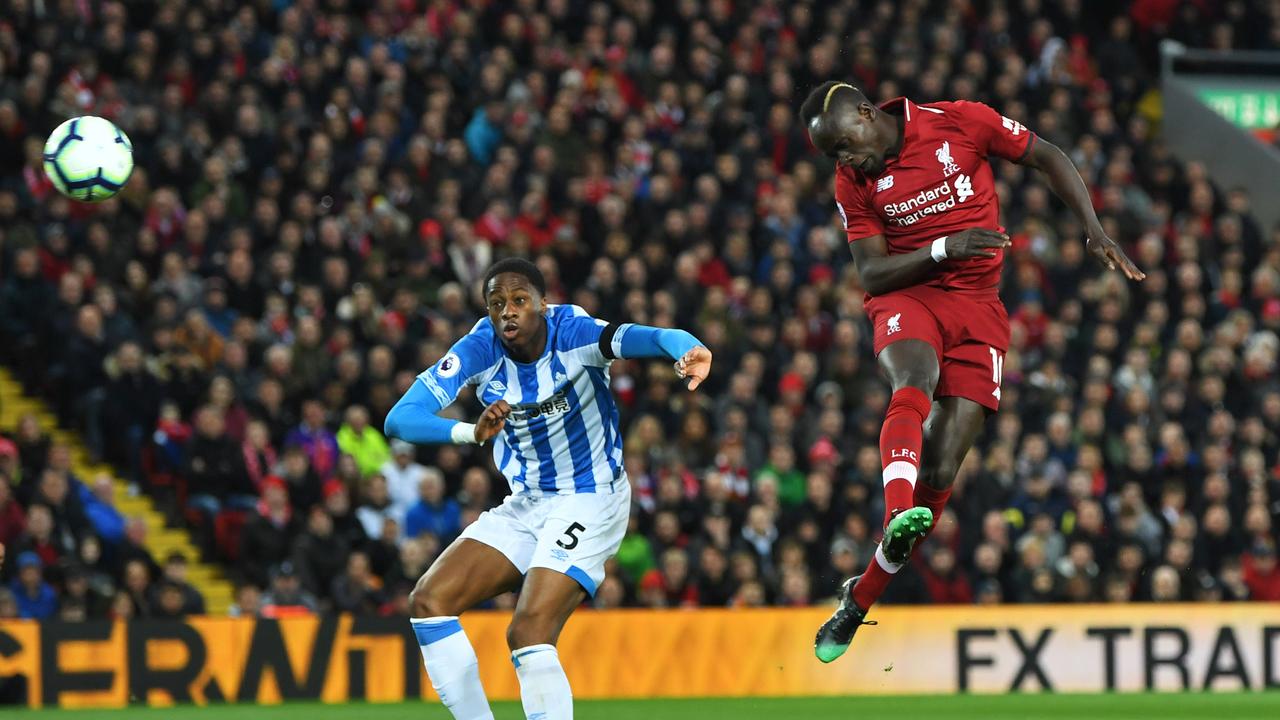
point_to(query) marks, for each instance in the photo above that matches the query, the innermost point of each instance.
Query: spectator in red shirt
(13, 521)
(39, 537)
(945, 584)
(670, 586)
(537, 221)
(1262, 573)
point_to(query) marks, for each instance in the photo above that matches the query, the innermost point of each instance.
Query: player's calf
(544, 688)
(901, 438)
(452, 666)
(549, 597)
(447, 653)
(466, 573)
(934, 491)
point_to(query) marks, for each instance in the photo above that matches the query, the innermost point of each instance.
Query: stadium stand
(322, 183)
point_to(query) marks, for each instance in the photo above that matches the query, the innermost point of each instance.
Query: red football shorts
(970, 334)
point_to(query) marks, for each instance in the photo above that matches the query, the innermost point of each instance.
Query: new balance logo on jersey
(949, 166)
(1013, 126)
(895, 324)
(964, 188)
(884, 183)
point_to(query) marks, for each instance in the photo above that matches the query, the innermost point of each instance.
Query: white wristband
(939, 249)
(464, 433)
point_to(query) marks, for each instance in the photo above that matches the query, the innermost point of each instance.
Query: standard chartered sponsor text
(927, 202)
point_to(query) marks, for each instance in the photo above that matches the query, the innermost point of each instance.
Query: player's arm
(1066, 183)
(630, 341)
(415, 417)
(881, 272)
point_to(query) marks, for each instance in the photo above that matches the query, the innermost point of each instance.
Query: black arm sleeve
(606, 341)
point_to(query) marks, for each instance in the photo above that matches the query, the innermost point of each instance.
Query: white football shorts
(570, 534)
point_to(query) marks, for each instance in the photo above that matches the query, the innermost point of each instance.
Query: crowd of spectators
(321, 183)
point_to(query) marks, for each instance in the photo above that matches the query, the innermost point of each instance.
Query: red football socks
(876, 578)
(871, 585)
(900, 441)
(933, 499)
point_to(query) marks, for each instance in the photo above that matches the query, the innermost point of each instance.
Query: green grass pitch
(1192, 706)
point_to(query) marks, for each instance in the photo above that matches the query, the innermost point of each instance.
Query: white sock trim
(523, 652)
(883, 562)
(433, 620)
(900, 470)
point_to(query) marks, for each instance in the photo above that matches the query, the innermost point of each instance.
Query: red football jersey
(939, 183)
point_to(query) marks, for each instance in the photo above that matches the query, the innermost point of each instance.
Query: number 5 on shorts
(571, 534)
(997, 370)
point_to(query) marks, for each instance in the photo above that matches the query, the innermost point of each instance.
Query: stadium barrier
(640, 653)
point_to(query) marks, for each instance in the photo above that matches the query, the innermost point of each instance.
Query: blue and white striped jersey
(562, 435)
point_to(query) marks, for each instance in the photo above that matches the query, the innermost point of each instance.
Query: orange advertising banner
(643, 653)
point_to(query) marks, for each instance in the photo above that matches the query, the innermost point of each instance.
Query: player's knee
(530, 628)
(940, 475)
(911, 364)
(918, 376)
(426, 600)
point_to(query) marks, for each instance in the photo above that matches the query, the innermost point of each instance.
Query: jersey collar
(908, 111)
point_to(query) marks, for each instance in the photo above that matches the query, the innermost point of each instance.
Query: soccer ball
(88, 158)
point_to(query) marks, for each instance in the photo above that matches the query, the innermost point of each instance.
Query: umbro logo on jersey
(498, 387)
(884, 183)
(949, 166)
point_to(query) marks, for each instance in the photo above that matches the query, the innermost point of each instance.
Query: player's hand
(492, 420)
(694, 367)
(975, 243)
(1107, 252)
(1, 556)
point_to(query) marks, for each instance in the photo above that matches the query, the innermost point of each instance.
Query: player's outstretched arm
(1065, 181)
(414, 420)
(692, 358)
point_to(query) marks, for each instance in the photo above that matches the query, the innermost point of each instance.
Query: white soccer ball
(88, 158)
